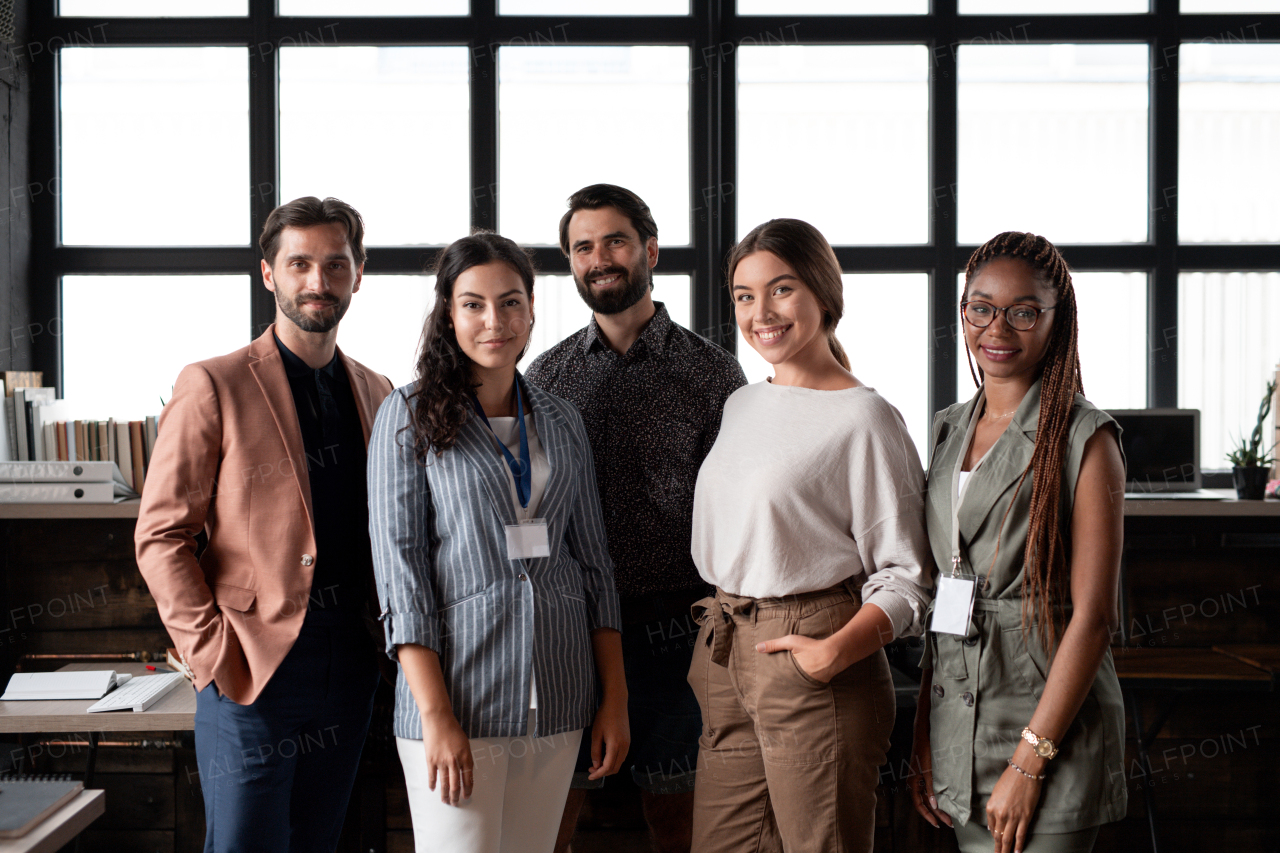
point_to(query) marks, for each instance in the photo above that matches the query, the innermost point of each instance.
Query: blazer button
(523, 577)
(937, 690)
(307, 559)
(967, 698)
(971, 641)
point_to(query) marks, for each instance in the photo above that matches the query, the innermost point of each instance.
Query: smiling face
(776, 312)
(1003, 352)
(313, 277)
(492, 314)
(611, 265)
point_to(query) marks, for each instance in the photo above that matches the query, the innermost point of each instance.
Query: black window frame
(712, 32)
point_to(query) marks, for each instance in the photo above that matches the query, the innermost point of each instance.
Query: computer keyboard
(139, 693)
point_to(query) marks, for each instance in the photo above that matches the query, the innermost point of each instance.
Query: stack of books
(36, 428)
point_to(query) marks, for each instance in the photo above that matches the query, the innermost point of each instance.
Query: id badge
(528, 539)
(953, 605)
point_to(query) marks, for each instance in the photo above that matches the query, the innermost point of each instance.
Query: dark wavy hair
(309, 211)
(621, 199)
(803, 248)
(443, 385)
(1044, 558)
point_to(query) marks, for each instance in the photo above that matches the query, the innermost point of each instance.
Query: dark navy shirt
(334, 443)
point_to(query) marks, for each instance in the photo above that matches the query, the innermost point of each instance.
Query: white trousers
(518, 796)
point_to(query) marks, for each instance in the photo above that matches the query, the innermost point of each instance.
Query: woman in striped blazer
(496, 587)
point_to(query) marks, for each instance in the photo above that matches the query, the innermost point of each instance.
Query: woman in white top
(808, 519)
(495, 581)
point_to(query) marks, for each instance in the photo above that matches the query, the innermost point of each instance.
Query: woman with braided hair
(1020, 723)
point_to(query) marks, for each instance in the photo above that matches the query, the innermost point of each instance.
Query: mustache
(605, 273)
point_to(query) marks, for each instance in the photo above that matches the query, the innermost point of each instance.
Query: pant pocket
(699, 677)
(795, 713)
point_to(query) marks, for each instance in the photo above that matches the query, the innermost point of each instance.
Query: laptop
(1162, 454)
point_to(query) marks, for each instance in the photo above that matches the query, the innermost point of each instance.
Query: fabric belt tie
(719, 613)
(719, 610)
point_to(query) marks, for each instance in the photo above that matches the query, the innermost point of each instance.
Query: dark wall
(16, 321)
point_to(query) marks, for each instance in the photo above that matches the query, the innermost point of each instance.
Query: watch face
(1044, 748)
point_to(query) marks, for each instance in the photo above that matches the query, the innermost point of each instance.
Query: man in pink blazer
(253, 539)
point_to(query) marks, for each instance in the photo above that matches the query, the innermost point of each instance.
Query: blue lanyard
(521, 469)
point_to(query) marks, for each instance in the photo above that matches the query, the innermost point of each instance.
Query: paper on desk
(90, 684)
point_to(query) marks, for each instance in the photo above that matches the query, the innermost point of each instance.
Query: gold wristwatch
(1043, 747)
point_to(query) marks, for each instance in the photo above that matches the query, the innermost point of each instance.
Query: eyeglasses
(1021, 318)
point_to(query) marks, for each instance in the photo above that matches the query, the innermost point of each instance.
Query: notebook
(26, 802)
(87, 684)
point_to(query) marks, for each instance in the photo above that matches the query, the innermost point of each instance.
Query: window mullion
(1162, 293)
(943, 173)
(264, 158)
(483, 64)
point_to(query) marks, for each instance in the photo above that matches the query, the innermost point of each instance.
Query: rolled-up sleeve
(584, 534)
(888, 498)
(400, 531)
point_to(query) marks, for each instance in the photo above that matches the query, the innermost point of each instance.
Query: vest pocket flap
(233, 597)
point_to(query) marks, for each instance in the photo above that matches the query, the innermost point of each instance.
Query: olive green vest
(986, 685)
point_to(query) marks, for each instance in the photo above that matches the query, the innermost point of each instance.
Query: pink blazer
(229, 461)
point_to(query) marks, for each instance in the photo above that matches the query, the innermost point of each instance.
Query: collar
(295, 367)
(654, 335)
(1026, 418)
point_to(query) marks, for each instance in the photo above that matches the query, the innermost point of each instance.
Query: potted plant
(1250, 462)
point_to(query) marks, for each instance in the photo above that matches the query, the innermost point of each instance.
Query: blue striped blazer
(444, 580)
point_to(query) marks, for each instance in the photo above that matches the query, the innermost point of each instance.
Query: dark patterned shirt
(651, 416)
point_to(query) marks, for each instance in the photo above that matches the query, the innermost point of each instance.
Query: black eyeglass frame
(1005, 310)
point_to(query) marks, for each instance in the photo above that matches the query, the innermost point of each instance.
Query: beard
(292, 308)
(634, 285)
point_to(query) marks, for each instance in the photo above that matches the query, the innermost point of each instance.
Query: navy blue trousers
(276, 774)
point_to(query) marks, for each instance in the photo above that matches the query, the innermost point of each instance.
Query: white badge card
(953, 605)
(528, 539)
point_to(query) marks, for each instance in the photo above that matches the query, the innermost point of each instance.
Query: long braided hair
(1044, 560)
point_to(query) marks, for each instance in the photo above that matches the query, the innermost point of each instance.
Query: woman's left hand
(610, 739)
(1010, 809)
(817, 658)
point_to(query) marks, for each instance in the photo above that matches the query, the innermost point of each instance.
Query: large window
(1141, 141)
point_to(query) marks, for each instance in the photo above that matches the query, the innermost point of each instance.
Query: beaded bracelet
(1039, 778)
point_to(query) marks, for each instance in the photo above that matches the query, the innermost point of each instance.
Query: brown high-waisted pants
(787, 763)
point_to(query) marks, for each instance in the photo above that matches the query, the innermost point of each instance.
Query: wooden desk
(1229, 507)
(1176, 671)
(61, 826)
(1264, 657)
(176, 710)
(1186, 669)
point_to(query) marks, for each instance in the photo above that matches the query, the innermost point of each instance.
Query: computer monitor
(1161, 449)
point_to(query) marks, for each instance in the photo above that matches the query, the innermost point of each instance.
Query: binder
(124, 455)
(60, 493)
(20, 424)
(24, 803)
(57, 472)
(33, 398)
